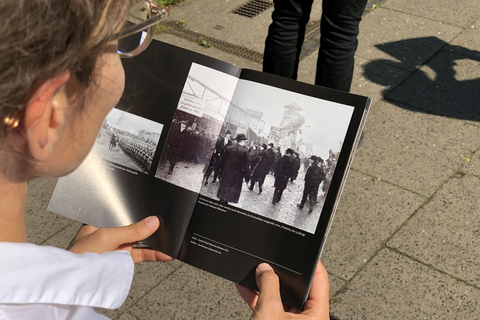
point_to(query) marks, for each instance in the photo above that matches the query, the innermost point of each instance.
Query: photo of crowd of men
(276, 159)
(196, 125)
(128, 140)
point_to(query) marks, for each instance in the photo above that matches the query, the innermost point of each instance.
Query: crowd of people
(188, 144)
(140, 152)
(233, 162)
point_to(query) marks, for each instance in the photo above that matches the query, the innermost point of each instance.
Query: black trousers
(338, 42)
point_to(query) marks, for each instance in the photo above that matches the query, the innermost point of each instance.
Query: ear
(44, 115)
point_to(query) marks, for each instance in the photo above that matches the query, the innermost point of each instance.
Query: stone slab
(460, 13)
(403, 40)
(369, 212)
(191, 293)
(445, 232)
(413, 150)
(211, 52)
(473, 165)
(146, 277)
(42, 224)
(468, 42)
(205, 16)
(448, 85)
(393, 286)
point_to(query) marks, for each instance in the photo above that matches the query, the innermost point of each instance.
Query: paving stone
(369, 212)
(219, 22)
(395, 287)
(127, 316)
(473, 165)
(211, 52)
(146, 277)
(373, 79)
(468, 42)
(42, 224)
(460, 13)
(402, 40)
(445, 232)
(448, 85)
(335, 284)
(191, 293)
(414, 150)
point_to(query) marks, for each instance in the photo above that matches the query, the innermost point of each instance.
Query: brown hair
(40, 39)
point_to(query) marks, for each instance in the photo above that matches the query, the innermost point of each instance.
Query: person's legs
(338, 42)
(304, 198)
(285, 37)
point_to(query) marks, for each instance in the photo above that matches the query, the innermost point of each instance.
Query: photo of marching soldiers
(128, 140)
(276, 154)
(196, 125)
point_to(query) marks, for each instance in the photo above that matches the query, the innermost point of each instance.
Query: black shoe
(206, 182)
(259, 190)
(250, 188)
(300, 206)
(310, 210)
(214, 180)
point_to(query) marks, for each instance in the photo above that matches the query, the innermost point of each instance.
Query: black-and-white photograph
(128, 140)
(277, 153)
(197, 123)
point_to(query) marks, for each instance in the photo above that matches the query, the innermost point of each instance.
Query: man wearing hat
(261, 167)
(234, 168)
(222, 143)
(296, 166)
(177, 144)
(313, 178)
(283, 172)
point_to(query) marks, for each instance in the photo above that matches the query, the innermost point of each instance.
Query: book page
(274, 199)
(125, 178)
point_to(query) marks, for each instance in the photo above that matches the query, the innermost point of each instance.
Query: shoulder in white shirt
(40, 282)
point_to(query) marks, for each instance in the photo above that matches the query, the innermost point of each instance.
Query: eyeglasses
(137, 33)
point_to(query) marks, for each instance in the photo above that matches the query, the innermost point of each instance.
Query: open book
(223, 156)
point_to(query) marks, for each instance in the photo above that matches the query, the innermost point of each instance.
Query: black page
(111, 194)
(231, 240)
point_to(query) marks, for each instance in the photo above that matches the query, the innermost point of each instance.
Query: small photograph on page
(128, 140)
(196, 125)
(277, 154)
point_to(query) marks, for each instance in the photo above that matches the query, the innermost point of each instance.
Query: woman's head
(57, 52)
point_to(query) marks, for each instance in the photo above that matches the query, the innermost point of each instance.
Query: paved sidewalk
(405, 243)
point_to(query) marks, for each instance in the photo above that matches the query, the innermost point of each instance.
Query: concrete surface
(404, 241)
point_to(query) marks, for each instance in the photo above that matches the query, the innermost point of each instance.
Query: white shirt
(40, 282)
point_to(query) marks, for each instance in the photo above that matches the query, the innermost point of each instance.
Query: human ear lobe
(44, 114)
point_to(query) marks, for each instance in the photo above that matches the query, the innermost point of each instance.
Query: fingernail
(151, 222)
(264, 267)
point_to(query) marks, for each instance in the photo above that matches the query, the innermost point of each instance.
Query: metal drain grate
(252, 8)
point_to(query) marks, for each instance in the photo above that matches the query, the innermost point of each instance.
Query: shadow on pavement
(446, 83)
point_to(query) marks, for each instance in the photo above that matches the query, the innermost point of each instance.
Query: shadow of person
(446, 82)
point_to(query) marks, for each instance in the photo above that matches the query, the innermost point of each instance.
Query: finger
(248, 295)
(269, 286)
(149, 255)
(134, 232)
(318, 298)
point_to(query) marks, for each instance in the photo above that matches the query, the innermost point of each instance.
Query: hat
(289, 151)
(240, 137)
(314, 158)
(264, 146)
(228, 132)
(271, 144)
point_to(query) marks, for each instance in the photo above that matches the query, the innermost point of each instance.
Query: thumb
(269, 299)
(135, 232)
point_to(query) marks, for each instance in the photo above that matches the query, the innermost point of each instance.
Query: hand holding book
(267, 304)
(92, 239)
